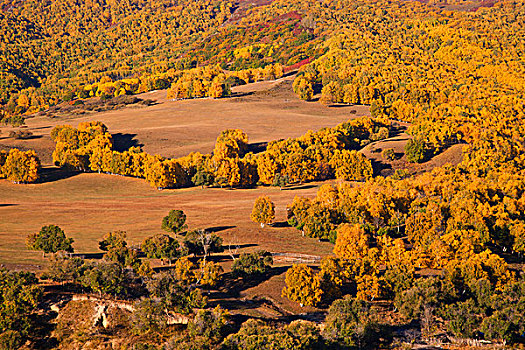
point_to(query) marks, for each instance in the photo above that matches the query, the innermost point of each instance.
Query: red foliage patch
(297, 65)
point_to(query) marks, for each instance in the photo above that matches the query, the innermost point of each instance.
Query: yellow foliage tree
(21, 167)
(302, 285)
(263, 211)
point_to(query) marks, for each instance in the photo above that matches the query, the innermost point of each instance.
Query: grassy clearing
(87, 206)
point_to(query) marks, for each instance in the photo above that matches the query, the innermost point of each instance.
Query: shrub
(10, 340)
(388, 154)
(20, 134)
(416, 151)
(349, 323)
(252, 263)
(149, 316)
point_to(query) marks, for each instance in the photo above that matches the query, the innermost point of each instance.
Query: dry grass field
(87, 206)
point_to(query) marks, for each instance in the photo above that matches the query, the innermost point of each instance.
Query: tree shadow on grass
(31, 137)
(41, 128)
(42, 329)
(315, 316)
(257, 147)
(241, 94)
(280, 224)
(52, 174)
(232, 286)
(219, 228)
(241, 246)
(298, 187)
(7, 205)
(236, 304)
(379, 167)
(123, 142)
(91, 256)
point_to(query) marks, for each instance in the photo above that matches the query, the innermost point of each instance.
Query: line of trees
(328, 153)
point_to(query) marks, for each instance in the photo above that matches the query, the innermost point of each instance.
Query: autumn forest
(208, 174)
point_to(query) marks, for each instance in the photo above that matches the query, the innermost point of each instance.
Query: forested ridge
(434, 257)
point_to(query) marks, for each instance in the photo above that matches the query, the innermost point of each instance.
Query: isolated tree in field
(302, 285)
(250, 264)
(263, 211)
(50, 239)
(161, 247)
(175, 221)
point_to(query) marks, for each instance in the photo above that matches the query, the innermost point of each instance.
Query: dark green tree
(63, 268)
(201, 242)
(50, 239)
(10, 340)
(249, 264)
(105, 278)
(174, 295)
(416, 151)
(114, 239)
(210, 324)
(463, 318)
(507, 321)
(149, 316)
(280, 181)
(350, 323)
(426, 292)
(161, 247)
(124, 256)
(202, 178)
(19, 296)
(174, 222)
